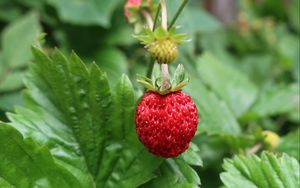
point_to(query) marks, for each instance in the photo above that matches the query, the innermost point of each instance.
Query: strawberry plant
(148, 94)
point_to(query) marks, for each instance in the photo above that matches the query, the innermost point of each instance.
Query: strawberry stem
(164, 15)
(152, 61)
(151, 24)
(164, 67)
(148, 18)
(165, 77)
(178, 13)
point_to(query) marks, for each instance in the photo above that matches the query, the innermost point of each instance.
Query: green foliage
(215, 115)
(15, 54)
(267, 171)
(113, 62)
(222, 121)
(290, 144)
(85, 12)
(77, 123)
(87, 127)
(174, 173)
(282, 100)
(17, 39)
(236, 89)
(26, 164)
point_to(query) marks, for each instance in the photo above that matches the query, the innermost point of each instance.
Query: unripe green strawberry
(162, 44)
(164, 51)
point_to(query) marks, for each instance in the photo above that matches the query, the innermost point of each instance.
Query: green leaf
(113, 62)
(192, 155)
(9, 100)
(87, 126)
(268, 171)
(239, 142)
(174, 173)
(27, 164)
(123, 108)
(278, 100)
(215, 116)
(190, 16)
(290, 144)
(9, 11)
(85, 12)
(288, 50)
(17, 39)
(12, 81)
(236, 89)
(257, 67)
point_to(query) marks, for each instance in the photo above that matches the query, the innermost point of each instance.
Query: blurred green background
(243, 59)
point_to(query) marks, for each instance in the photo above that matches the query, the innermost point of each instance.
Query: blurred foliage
(245, 79)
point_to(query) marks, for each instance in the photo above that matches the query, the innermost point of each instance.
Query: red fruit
(133, 3)
(165, 124)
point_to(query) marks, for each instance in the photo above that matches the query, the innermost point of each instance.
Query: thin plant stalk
(164, 67)
(178, 12)
(148, 18)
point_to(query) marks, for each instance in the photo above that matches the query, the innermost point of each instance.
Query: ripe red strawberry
(165, 124)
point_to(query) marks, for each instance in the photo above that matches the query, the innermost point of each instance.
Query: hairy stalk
(165, 77)
(148, 18)
(180, 9)
(152, 61)
(164, 14)
(254, 149)
(164, 67)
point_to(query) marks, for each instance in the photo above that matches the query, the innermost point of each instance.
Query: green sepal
(161, 33)
(180, 38)
(155, 83)
(146, 82)
(179, 75)
(144, 38)
(147, 36)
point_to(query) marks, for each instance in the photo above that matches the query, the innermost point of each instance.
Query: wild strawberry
(165, 124)
(134, 5)
(130, 4)
(271, 138)
(163, 50)
(162, 44)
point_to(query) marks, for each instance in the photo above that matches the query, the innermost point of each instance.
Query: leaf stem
(183, 4)
(156, 17)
